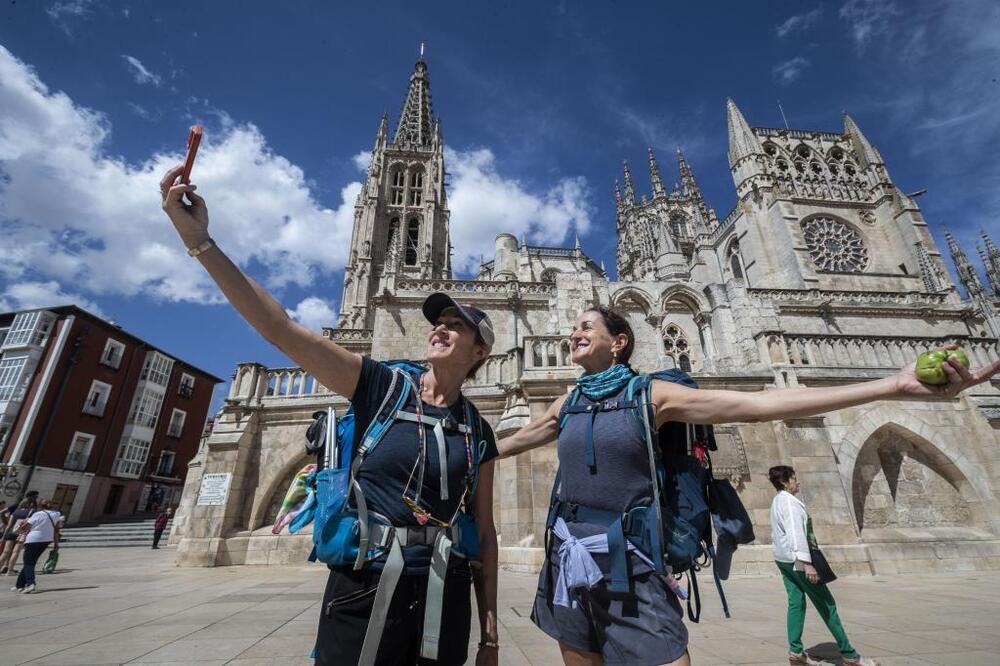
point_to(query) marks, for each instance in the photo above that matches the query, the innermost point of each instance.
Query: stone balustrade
(504, 288)
(499, 369)
(850, 351)
(814, 296)
(547, 351)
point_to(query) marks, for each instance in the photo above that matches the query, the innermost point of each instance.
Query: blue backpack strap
(642, 386)
(564, 413)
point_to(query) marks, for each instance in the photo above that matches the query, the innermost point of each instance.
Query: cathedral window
(837, 154)
(398, 183)
(677, 348)
(782, 165)
(816, 168)
(736, 260)
(549, 275)
(849, 168)
(416, 188)
(834, 245)
(412, 242)
(802, 151)
(834, 168)
(679, 226)
(770, 149)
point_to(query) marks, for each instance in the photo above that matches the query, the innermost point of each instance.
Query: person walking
(414, 509)
(160, 524)
(604, 472)
(792, 539)
(40, 529)
(13, 540)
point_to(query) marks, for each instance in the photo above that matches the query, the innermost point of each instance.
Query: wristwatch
(489, 644)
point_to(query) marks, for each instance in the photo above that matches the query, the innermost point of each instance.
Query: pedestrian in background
(12, 539)
(792, 538)
(40, 529)
(161, 524)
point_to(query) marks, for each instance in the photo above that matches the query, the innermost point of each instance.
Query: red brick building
(93, 417)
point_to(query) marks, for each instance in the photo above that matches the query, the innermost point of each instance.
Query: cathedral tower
(656, 235)
(401, 215)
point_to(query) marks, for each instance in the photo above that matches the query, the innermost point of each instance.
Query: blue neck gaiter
(600, 385)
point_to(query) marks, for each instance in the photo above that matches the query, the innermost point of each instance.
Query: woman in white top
(792, 538)
(42, 528)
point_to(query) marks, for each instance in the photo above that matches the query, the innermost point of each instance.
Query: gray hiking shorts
(644, 626)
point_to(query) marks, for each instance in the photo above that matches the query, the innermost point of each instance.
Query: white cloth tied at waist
(576, 566)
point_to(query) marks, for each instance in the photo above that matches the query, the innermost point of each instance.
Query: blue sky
(540, 103)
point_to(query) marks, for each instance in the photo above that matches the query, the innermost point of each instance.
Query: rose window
(834, 246)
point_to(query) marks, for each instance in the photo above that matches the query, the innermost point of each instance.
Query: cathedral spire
(933, 281)
(866, 152)
(742, 141)
(415, 121)
(966, 272)
(688, 184)
(629, 187)
(991, 262)
(654, 175)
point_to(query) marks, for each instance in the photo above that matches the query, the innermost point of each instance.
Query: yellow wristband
(195, 251)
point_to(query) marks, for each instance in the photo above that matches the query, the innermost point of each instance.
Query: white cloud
(76, 215)
(140, 73)
(868, 18)
(799, 22)
(27, 295)
(483, 204)
(791, 70)
(361, 160)
(314, 313)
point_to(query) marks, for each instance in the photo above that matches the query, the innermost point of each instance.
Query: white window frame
(157, 368)
(101, 390)
(186, 380)
(22, 328)
(145, 410)
(159, 463)
(3, 334)
(131, 458)
(11, 371)
(179, 430)
(83, 457)
(119, 353)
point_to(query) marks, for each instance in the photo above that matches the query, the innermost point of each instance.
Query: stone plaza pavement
(132, 605)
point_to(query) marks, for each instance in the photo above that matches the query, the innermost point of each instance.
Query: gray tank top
(620, 478)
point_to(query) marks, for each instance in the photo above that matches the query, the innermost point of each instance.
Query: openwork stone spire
(966, 272)
(629, 186)
(933, 281)
(991, 262)
(654, 175)
(415, 121)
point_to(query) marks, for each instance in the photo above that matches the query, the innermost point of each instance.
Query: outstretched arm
(678, 403)
(484, 577)
(334, 367)
(536, 433)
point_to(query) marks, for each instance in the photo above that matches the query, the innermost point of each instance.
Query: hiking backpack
(675, 528)
(341, 522)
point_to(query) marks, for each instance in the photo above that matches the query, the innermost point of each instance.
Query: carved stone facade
(824, 273)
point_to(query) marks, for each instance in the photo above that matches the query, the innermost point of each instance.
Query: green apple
(929, 369)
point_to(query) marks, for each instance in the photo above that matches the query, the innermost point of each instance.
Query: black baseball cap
(480, 322)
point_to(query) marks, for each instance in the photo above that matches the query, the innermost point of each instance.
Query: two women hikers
(593, 623)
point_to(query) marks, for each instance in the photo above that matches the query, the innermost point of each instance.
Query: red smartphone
(194, 140)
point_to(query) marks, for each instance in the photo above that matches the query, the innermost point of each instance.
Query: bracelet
(195, 251)
(489, 644)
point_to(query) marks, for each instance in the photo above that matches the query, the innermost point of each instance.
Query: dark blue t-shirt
(384, 472)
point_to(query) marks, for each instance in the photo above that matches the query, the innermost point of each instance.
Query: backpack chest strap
(593, 409)
(438, 428)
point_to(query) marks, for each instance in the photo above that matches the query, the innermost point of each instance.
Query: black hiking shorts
(347, 605)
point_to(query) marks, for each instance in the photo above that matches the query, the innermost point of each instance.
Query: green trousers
(798, 588)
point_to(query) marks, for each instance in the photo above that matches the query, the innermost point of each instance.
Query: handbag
(822, 567)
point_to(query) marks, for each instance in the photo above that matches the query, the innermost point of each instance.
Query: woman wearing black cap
(417, 508)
